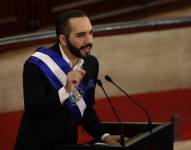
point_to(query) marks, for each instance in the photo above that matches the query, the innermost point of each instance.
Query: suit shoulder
(31, 69)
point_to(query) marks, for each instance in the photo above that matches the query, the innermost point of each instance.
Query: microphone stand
(122, 142)
(149, 127)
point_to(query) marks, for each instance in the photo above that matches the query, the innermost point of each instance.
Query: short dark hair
(62, 21)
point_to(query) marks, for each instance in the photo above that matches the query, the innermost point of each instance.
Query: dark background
(25, 16)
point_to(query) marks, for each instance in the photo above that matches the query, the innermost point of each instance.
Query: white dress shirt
(63, 95)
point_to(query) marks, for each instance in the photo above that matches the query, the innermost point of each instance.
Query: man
(59, 89)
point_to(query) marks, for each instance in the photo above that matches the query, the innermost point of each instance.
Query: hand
(73, 79)
(114, 139)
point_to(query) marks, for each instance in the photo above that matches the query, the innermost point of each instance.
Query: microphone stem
(147, 114)
(122, 142)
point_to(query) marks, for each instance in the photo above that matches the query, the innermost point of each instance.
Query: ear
(62, 39)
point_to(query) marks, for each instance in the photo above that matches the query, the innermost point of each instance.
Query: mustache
(87, 45)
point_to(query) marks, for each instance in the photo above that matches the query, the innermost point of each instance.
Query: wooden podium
(161, 138)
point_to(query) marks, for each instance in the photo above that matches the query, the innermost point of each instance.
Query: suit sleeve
(91, 122)
(39, 100)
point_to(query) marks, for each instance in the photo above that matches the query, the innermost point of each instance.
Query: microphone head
(108, 78)
(98, 81)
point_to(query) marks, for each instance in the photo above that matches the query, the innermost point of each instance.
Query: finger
(116, 137)
(126, 139)
(110, 140)
(81, 71)
(75, 77)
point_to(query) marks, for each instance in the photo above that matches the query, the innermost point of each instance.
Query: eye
(80, 34)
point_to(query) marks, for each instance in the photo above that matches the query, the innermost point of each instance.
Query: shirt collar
(78, 64)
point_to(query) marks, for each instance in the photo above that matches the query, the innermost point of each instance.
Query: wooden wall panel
(21, 16)
(13, 16)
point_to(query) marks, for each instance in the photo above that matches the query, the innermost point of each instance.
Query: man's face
(80, 38)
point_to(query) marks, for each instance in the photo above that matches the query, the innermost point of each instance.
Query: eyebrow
(83, 33)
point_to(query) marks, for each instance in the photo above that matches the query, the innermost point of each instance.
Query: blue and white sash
(55, 68)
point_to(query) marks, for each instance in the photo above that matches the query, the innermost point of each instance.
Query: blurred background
(144, 45)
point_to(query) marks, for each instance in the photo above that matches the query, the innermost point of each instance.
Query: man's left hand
(114, 139)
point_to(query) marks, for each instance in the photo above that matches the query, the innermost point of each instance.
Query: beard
(77, 51)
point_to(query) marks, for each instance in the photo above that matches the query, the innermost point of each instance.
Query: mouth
(86, 49)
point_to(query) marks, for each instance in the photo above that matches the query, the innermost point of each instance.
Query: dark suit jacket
(45, 121)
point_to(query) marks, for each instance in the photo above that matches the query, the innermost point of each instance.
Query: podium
(160, 138)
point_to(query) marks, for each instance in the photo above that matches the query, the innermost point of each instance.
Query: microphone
(122, 142)
(108, 78)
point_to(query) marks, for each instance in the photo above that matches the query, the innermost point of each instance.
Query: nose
(89, 39)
